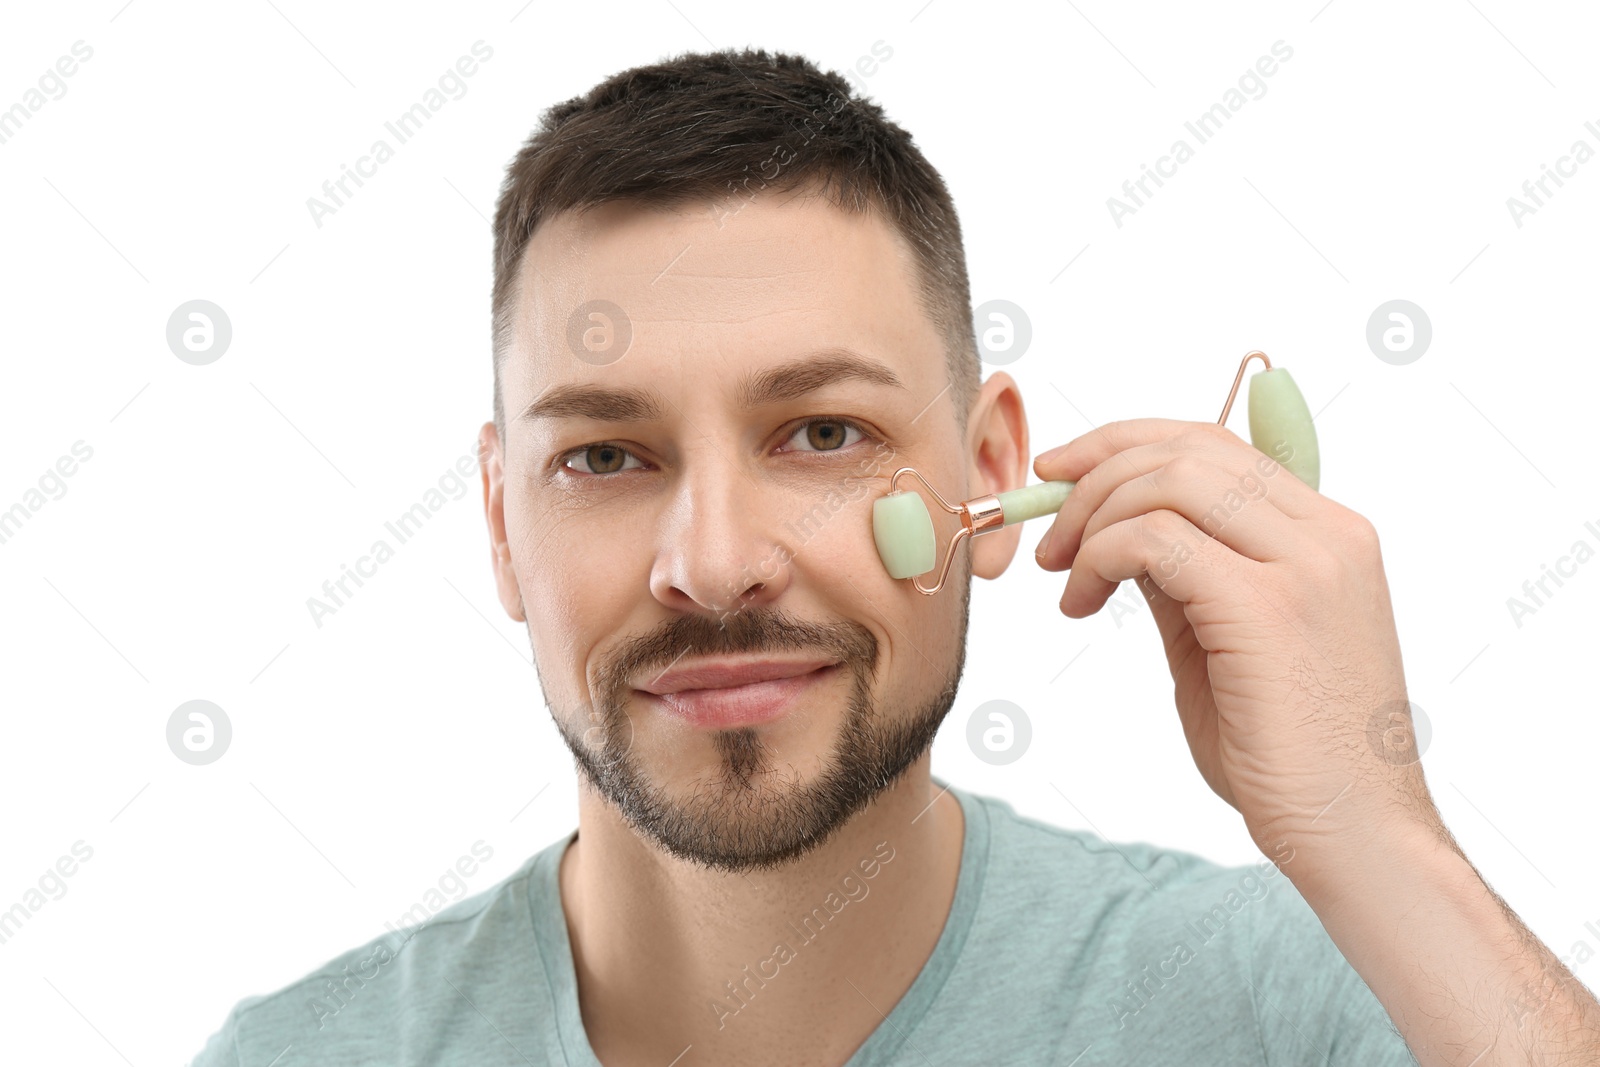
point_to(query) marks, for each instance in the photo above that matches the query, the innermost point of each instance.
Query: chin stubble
(750, 814)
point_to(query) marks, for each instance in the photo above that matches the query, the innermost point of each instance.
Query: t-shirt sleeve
(222, 1050)
(1311, 1005)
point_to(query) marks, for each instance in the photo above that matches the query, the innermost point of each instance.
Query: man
(730, 300)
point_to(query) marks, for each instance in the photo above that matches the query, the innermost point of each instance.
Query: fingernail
(1044, 545)
(1046, 457)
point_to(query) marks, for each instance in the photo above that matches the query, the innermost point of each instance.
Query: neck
(669, 954)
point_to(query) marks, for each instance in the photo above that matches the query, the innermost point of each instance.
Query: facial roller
(902, 527)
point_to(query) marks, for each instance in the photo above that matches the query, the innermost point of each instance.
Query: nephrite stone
(1280, 425)
(903, 530)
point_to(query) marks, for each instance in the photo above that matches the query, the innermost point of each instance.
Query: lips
(726, 694)
(724, 674)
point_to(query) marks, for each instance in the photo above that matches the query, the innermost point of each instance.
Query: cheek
(573, 568)
(925, 632)
(826, 540)
(917, 635)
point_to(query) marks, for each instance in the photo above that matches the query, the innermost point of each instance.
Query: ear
(491, 463)
(997, 447)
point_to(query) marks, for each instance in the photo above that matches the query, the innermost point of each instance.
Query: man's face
(720, 513)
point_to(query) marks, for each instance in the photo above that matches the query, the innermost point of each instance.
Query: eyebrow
(771, 386)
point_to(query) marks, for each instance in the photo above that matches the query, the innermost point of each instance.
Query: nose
(719, 545)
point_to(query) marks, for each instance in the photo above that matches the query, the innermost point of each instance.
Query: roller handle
(1033, 501)
(1280, 426)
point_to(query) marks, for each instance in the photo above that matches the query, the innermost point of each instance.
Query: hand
(1273, 606)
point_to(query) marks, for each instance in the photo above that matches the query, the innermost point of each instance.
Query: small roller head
(1281, 426)
(903, 530)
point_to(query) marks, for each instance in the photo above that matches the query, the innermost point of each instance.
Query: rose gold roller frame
(983, 514)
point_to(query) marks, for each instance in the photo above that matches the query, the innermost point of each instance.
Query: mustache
(766, 630)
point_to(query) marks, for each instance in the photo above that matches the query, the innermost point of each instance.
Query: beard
(747, 815)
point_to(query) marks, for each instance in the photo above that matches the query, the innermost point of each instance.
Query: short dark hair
(706, 125)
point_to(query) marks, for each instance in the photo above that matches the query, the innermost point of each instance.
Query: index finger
(1082, 454)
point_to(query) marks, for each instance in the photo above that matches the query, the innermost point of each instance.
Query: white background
(369, 754)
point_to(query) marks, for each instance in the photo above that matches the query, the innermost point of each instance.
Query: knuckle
(1354, 532)
(1089, 487)
(1185, 467)
(1165, 527)
(1326, 568)
(1361, 529)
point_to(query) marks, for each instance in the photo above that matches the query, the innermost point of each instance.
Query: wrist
(1393, 856)
(1361, 841)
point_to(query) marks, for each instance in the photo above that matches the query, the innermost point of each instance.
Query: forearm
(1464, 980)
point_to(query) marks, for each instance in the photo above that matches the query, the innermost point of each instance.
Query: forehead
(730, 284)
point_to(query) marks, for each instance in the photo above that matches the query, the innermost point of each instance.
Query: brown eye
(600, 459)
(604, 459)
(827, 435)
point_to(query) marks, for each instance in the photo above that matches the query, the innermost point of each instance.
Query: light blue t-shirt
(1060, 949)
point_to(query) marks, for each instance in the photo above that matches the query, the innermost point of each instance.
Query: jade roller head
(1280, 422)
(903, 529)
(1280, 426)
